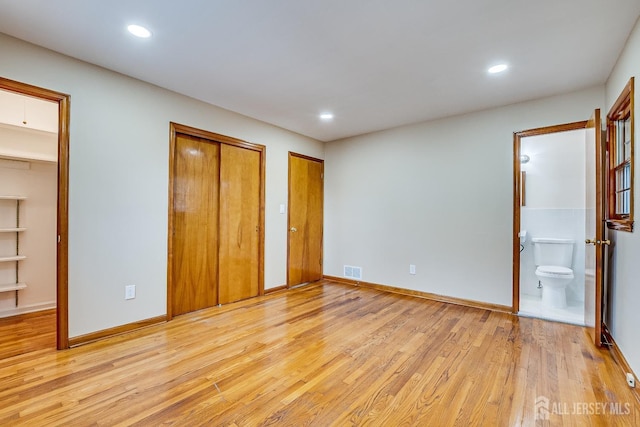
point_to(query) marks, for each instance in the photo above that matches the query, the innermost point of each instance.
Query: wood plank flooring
(27, 333)
(325, 354)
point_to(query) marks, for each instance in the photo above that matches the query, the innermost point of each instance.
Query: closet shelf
(12, 258)
(12, 230)
(12, 287)
(17, 257)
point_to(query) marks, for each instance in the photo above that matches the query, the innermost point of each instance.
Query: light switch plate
(130, 292)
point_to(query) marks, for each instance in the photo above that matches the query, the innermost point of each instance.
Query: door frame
(175, 128)
(312, 159)
(62, 251)
(600, 229)
(517, 194)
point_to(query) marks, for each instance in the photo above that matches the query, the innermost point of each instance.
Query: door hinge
(322, 175)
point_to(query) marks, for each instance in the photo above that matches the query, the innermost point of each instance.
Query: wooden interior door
(194, 246)
(306, 196)
(595, 228)
(239, 223)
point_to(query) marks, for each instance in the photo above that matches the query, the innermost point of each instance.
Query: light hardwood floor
(325, 354)
(27, 333)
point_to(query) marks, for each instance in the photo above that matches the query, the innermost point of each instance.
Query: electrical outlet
(130, 292)
(412, 269)
(631, 380)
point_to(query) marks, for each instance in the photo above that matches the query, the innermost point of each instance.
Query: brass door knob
(293, 229)
(597, 242)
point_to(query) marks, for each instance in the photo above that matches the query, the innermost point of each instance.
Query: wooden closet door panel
(195, 237)
(239, 223)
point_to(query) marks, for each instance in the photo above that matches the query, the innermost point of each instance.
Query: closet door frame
(62, 250)
(174, 129)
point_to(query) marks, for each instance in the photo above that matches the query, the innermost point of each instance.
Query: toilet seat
(554, 271)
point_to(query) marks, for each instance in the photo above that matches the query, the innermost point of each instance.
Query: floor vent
(351, 272)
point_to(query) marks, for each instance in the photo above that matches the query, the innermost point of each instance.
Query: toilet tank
(550, 251)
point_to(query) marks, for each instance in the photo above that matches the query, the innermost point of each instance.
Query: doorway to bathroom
(555, 211)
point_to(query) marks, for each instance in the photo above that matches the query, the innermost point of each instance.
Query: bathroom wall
(555, 202)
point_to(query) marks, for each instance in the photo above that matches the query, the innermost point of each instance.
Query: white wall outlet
(412, 269)
(130, 292)
(631, 380)
(283, 208)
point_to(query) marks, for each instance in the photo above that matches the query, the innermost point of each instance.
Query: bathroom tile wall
(556, 223)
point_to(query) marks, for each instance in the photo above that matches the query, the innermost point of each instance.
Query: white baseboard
(27, 309)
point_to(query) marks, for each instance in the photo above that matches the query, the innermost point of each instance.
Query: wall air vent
(351, 272)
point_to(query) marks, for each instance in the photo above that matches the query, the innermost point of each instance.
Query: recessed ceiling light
(139, 31)
(498, 68)
(326, 116)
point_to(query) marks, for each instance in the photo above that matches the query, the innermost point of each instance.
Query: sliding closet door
(240, 177)
(196, 195)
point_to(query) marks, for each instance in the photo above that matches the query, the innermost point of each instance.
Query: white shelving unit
(17, 285)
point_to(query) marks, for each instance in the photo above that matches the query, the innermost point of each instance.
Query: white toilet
(553, 257)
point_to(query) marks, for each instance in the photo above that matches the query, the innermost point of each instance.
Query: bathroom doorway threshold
(531, 306)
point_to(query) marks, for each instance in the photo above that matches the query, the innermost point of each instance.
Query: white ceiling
(374, 63)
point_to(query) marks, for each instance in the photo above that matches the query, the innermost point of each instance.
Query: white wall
(118, 192)
(555, 203)
(438, 195)
(556, 170)
(624, 315)
(38, 182)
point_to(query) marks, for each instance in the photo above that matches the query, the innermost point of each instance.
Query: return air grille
(351, 272)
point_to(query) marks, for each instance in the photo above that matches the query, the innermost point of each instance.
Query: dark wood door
(195, 224)
(239, 223)
(305, 219)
